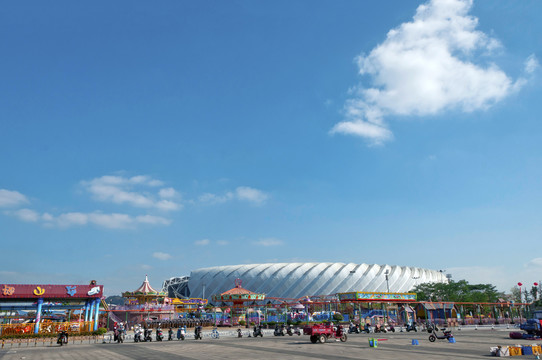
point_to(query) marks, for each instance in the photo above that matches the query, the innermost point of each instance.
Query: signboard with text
(377, 296)
(25, 291)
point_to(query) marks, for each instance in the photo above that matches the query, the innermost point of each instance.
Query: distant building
(296, 280)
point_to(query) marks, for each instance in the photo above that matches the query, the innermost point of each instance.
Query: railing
(143, 308)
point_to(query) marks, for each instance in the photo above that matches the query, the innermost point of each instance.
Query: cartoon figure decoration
(8, 290)
(39, 291)
(71, 290)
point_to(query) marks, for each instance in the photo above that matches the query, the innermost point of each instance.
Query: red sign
(19, 291)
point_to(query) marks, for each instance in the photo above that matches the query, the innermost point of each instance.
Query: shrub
(242, 322)
(337, 317)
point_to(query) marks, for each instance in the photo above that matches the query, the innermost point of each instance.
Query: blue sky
(140, 138)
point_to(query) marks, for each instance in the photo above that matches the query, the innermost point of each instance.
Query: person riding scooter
(138, 334)
(197, 332)
(62, 338)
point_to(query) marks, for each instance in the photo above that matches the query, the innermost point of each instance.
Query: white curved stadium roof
(295, 280)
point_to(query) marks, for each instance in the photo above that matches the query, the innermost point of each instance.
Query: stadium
(296, 280)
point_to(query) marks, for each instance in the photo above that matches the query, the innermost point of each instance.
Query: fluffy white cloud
(268, 242)
(252, 195)
(241, 193)
(222, 242)
(202, 242)
(161, 256)
(167, 193)
(10, 198)
(531, 64)
(27, 215)
(110, 221)
(424, 67)
(132, 191)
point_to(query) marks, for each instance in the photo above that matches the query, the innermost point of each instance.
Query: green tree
(457, 291)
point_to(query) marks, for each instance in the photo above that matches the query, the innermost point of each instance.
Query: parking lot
(470, 344)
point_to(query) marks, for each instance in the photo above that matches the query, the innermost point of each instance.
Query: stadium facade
(296, 280)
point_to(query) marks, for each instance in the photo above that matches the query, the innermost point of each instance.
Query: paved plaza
(471, 344)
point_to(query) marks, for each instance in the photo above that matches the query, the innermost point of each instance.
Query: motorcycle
(411, 327)
(297, 331)
(257, 331)
(197, 333)
(147, 335)
(170, 334)
(181, 333)
(289, 330)
(137, 335)
(366, 329)
(62, 338)
(159, 335)
(380, 328)
(391, 328)
(279, 331)
(446, 334)
(239, 333)
(353, 329)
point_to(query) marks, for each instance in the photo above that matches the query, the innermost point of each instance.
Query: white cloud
(167, 193)
(241, 193)
(10, 198)
(252, 195)
(268, 242)
(531, 64)
(216, 199)
(222, 242)
(424, 67)
(161, 256)
(152, 220)
(131, 191)
(110, 221)
(27, 215)
(203, 242)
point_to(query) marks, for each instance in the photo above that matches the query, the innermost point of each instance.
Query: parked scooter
(257, 331)
(379, 328)
(62, 338)
(159, 334)
(411, 327)
(353, 329)
(138, 334)
(446, 334)
(297, 331)
(170, 334)
(239, 333)
(391, 328)
(279, 330)
(147, 335)
(197, 332)
(367, 328)
(181, 333)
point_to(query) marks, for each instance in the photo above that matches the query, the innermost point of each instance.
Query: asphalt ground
(470, 344)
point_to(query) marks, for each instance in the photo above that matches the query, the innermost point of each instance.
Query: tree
(457, 291)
